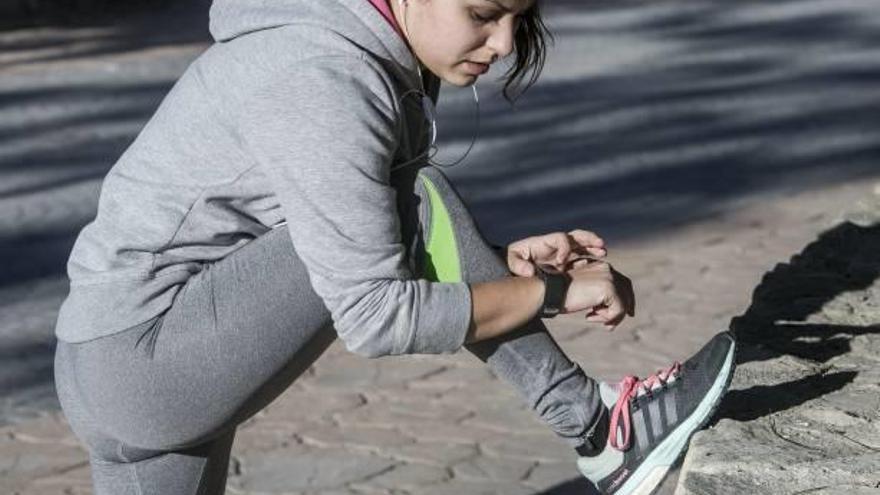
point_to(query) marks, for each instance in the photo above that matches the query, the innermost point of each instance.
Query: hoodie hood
(355, 20)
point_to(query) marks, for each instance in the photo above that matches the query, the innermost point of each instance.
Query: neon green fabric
(441, 259)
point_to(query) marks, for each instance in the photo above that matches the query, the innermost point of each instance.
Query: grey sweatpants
(157, 404)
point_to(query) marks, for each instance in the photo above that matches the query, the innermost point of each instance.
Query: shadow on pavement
(57, 31)
(743, 101)
(843, 259)
(572, 487)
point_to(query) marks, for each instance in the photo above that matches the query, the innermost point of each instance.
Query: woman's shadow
(777, 323)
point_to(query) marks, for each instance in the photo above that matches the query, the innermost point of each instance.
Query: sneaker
(650, 421)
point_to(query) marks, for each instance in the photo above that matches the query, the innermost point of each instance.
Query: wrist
(540, 291)
(555, 290)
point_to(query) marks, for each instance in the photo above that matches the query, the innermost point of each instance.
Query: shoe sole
(653, 470)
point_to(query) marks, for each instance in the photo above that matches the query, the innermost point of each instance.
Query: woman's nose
(501, 39)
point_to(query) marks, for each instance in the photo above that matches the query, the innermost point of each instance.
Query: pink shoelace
(629, 387)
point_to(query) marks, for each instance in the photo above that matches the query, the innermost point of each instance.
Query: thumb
(522, 267)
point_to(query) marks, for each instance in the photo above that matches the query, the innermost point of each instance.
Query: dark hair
(530, 49)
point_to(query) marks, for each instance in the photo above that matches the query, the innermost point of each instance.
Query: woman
(281, 196)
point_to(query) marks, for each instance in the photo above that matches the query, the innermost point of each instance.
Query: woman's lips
(476, 68)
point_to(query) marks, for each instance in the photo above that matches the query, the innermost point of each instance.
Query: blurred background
(650, 118)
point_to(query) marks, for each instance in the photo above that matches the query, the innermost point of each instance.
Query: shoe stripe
(641, 430)
(669, 399)
(656, 420)
(662, 407)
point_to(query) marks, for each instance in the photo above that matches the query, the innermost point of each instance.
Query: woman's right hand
(600, 290)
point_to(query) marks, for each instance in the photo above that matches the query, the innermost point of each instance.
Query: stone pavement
(706, 143)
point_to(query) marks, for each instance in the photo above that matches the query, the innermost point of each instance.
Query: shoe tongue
(609, 393)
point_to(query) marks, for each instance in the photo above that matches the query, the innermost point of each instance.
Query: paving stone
(476, 488)
(392, 415)
(456, 377)
(547, 475)
(353, 373)
(49, 428)
(321, 468)
(406, 476)
(354, 437)
(495, 395)
(446, 432)
(430, 410)
(51, 490)
(268, 436)
(507, 419)
(483, 468)
(297, 404)
(77, 479)
(530, 447)
(20, 461)
(432, 453)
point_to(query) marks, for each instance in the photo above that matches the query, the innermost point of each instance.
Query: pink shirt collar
(383, 7)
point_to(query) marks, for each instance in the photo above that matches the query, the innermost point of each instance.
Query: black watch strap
(555, 288)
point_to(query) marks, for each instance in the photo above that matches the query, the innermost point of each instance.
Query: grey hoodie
(295, 114)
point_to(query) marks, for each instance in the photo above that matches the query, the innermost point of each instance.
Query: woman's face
(458, 39)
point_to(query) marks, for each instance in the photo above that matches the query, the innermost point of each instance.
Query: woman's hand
(557, 250)
(606, 294)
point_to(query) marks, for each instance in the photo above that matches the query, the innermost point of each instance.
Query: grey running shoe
(651, 420)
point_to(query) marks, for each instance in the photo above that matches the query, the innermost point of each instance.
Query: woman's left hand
(556, 249)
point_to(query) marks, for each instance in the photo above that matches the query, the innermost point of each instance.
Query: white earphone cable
(430, 114)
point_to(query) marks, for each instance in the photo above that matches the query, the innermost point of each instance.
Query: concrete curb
(803, 411)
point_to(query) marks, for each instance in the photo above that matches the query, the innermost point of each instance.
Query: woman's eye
(479, 18)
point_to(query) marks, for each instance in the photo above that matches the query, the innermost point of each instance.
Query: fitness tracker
(555, 288)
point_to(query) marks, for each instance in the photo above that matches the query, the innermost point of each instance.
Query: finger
(611, 323)
(518, 263)
(615, 310)
(586, 238)
(520, 250)
(607, 315)
(617, 321)
(561, 244)
(599, 252)
(579, 263)
(522, 268)
(598, 266)
(605, 319)
(591, 254)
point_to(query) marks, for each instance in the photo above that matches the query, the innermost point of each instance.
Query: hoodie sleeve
(326, 135)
